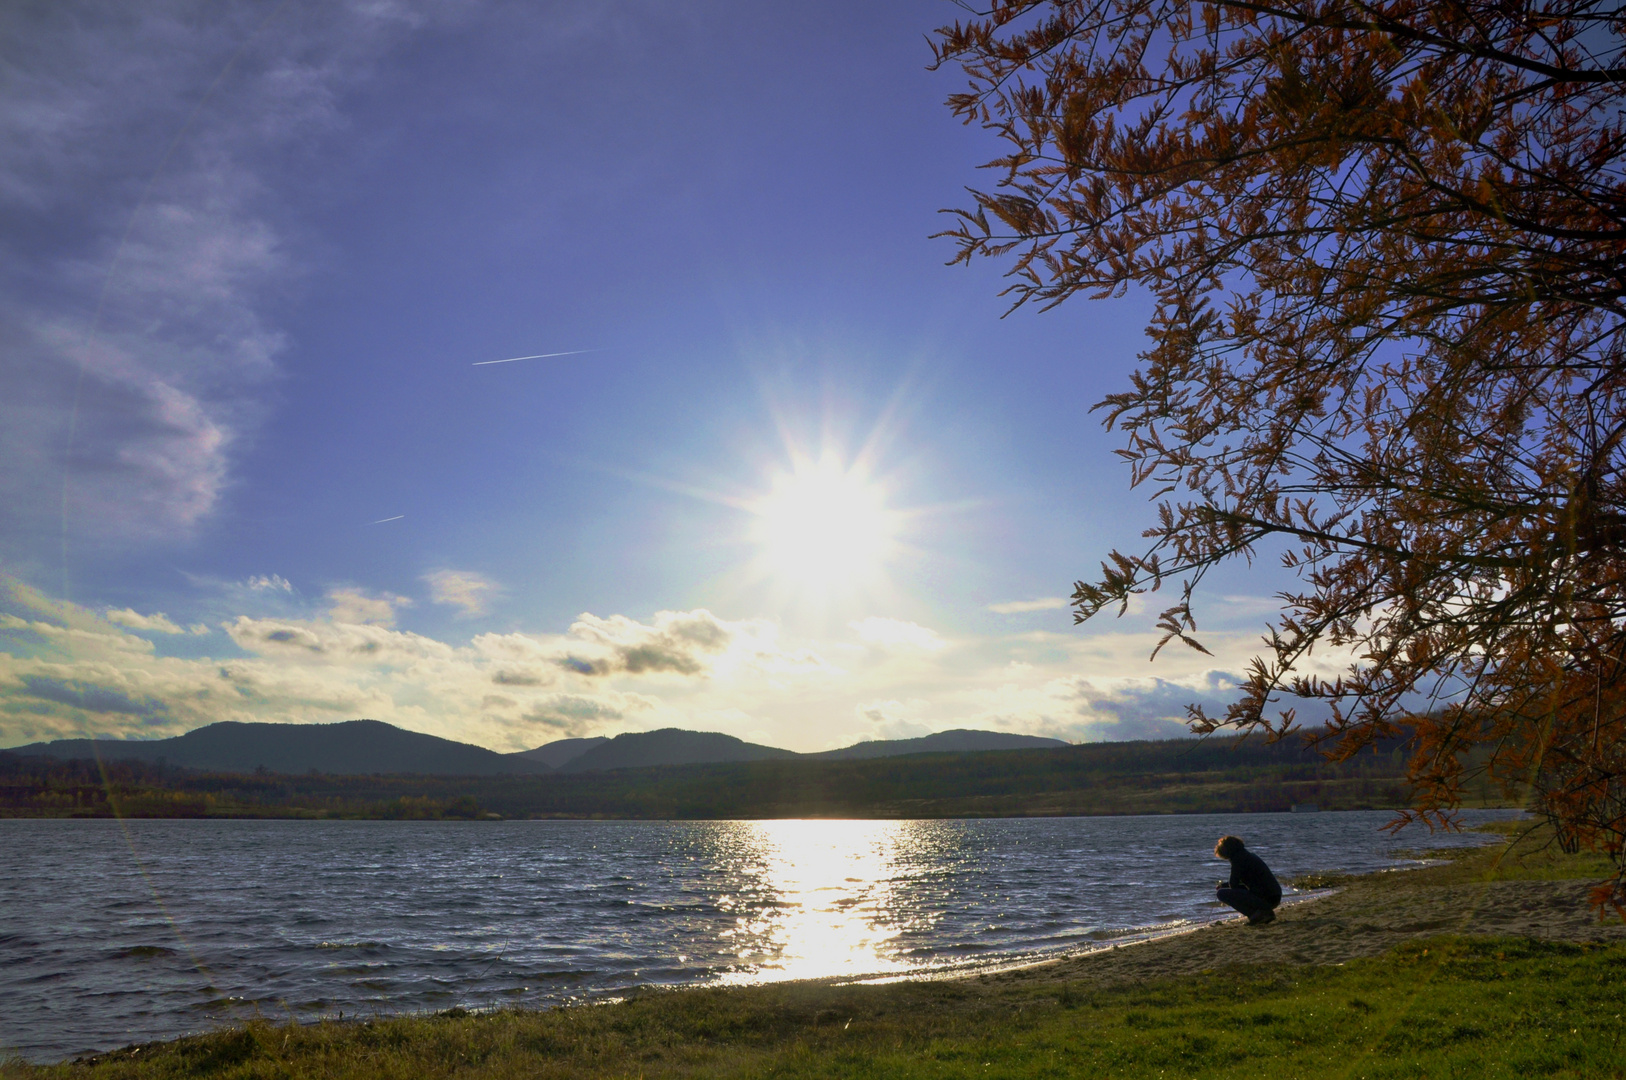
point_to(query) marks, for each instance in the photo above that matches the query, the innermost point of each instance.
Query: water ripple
(120, 932)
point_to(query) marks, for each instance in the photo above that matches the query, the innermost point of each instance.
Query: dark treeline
(1175, 776)
(32, 786)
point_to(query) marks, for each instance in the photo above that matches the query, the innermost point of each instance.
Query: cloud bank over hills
(69, 671)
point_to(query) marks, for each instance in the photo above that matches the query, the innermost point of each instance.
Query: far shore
(1170, 776)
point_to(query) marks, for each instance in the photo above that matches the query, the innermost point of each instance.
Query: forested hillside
(1176, 776)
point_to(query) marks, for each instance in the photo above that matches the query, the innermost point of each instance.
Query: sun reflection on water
(833, 884)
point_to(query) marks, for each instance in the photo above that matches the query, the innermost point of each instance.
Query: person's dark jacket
(1248, 871)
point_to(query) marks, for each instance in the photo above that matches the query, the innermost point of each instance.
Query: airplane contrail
(538, 356)
(397, 517)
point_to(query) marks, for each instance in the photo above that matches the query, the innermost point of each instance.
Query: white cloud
(887, 720)
(1018, 607)
(894, 633)
(352, 605)
(157, 623)
(463, 589)
(564, 716)
(271, 582)
(679, 642)
(67, 670)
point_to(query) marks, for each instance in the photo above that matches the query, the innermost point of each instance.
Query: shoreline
(1141, 936)
(952, 813)
(1131, 938)
(1370, 915)
(1195, 913)
(1360, 916)
(1368, 923)
(994, 972)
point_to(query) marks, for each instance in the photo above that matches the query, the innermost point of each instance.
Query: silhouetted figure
(1253, 889)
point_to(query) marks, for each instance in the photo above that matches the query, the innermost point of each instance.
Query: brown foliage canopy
(1387, 244)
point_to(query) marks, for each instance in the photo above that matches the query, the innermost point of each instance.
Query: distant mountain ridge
(1169, 776)
(365, 747)
(670, 746)
(556, 753)
(352, 747)
(957, 741)
(675, 746)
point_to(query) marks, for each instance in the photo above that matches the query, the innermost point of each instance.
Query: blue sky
(798, 481)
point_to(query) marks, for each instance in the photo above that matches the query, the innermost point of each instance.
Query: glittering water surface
(114, 932)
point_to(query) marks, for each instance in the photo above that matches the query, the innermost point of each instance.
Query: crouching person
(1253, 889)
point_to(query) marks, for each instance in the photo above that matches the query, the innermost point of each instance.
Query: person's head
(1228, 847)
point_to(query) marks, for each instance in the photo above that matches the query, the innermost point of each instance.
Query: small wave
(215, 1004)
(615, 907)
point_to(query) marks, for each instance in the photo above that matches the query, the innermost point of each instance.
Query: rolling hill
(364, 747)
(1176, 776)
(556, 753)
(354, 747)
(957, 741)
(670, 746)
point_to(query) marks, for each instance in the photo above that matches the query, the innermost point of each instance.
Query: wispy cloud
(357, 606)
(1018, 607)
(469, 592)
(889, 720)
(895, 633)
(563, 716)
(268, 582)
(157, 623)
(136, 328)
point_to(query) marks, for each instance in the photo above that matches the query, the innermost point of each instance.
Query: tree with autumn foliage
(1387, 246)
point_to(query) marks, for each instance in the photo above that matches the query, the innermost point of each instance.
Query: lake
(117, 932)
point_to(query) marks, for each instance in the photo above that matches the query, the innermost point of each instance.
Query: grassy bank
(1447, 1005)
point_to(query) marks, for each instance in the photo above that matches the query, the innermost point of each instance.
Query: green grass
(1530, 855)
(1443, 1007)
(1470, 1008)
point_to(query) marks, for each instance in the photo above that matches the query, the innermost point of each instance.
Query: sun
(824, 525)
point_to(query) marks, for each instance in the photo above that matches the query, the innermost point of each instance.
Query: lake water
(117, 932)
